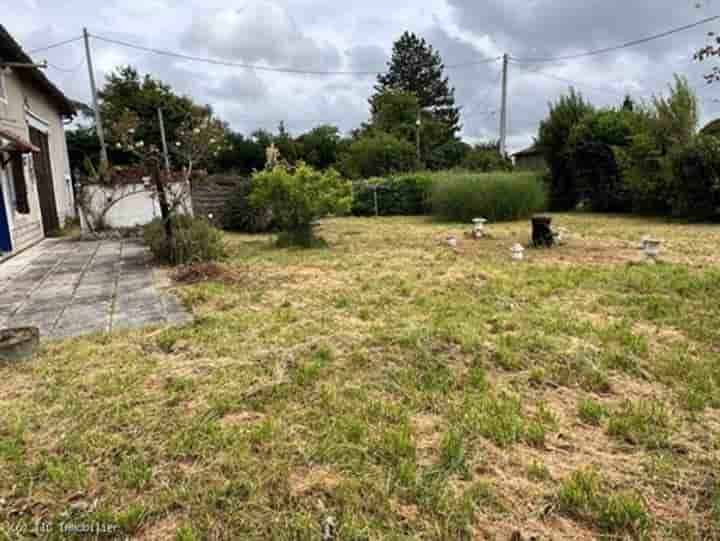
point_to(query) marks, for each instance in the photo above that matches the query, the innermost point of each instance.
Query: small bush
(297, 198)
(496, 196)
(194, 240)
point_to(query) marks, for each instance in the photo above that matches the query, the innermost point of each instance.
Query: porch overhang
(13, 143)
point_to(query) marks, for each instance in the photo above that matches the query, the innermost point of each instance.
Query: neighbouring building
(36, 195)
(530, 159)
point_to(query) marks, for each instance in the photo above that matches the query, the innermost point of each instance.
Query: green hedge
(400, 195)
(460, 197)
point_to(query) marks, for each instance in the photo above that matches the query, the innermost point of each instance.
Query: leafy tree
(320, 146)
(712, 128)
(553, 140)
(695, 184)
(295, 199)
(378, 155)
(675, 118)
(418, 69)
(125, 90)
(591, 154)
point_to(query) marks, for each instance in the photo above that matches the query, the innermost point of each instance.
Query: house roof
(11, 51)
(17, 143)
(530, 151)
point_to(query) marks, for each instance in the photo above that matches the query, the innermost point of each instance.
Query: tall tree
(417, 68)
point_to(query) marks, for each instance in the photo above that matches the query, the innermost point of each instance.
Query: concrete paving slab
(69, 288)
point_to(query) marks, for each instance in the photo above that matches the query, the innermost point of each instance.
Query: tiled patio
(71, 288)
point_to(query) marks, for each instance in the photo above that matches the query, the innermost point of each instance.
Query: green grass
(406, 390)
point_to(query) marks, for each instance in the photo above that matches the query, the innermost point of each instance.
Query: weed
(645, 423)
(591, 412)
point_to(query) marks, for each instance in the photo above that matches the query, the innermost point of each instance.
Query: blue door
(5, 243)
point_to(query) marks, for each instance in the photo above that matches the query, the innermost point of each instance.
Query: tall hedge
(400, 195)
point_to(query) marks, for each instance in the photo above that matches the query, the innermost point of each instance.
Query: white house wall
(26, 104)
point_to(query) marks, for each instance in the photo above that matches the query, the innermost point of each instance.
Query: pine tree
(417, 68)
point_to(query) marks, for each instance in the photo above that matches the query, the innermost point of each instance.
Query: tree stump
(542, 234)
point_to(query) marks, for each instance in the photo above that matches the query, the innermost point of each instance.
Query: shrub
(401, 195)
(695, 186)
(379, 155)
(193, 240)
(240, 215)
(495, 196)
(297, 198)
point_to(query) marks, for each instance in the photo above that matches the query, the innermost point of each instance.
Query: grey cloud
(260, 31)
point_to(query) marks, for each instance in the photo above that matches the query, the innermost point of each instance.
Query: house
(530, 159)
(36, 193)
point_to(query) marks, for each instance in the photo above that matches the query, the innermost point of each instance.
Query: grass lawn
(406, 391)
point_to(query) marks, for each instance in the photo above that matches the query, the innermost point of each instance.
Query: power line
(301, 71)
(569, 81)
(230, 64)
(54, 45)
(482, 101)
(68, 70)
(621, 46)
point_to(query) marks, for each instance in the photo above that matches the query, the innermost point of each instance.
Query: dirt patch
(307, 479)
(208, 272)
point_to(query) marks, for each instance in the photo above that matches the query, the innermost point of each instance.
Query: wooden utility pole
(503, 107)
(98, 116)
(164, 141)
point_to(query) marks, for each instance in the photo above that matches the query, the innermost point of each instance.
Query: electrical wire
(482, 101)
(68, 70)
(622, 45)
(227, 63)
(571, 82)
(301, 71)
(54, 45)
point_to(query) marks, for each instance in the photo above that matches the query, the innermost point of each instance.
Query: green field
(403, 389)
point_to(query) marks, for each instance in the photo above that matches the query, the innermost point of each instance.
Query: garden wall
(140, 206)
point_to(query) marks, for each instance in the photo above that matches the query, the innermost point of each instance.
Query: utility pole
(98, 116)
(164, 141)
(503, 106)
(418, 124)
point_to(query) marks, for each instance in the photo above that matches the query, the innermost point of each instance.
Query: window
(19, 186)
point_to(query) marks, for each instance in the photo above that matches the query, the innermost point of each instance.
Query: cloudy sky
(347, 35)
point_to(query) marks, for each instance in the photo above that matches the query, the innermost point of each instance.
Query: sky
(347, 35)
